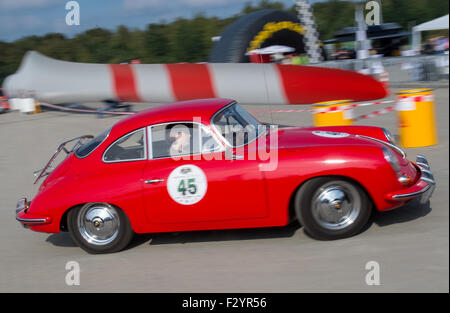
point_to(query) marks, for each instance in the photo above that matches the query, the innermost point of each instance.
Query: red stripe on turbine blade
(124, 82)
(190, 81)
(310, 84)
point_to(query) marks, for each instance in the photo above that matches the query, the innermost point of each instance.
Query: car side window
(130, 147)
(183, 138)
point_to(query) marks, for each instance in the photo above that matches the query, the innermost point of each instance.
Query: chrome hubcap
(336, 205)
(98, 223)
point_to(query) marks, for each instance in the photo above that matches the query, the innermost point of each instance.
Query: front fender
(363, 164)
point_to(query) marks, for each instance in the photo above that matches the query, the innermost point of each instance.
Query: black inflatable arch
(242, 35)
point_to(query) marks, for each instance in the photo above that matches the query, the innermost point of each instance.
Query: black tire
(82, 222)
(236, 38)
(313, 201)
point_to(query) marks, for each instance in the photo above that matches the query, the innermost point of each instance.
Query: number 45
(191, 187)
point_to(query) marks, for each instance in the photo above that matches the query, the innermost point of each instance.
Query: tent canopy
(436, 24)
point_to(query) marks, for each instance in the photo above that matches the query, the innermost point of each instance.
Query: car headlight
(390, 157)
(389, 136)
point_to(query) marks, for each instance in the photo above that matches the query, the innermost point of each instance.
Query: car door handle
(153, 181)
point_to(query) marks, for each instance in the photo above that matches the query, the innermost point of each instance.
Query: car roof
(202, 110)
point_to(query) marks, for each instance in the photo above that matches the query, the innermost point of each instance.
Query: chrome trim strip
(31, 220)
(213, 126)
(412, 194)
(154, 181)
(149, 142)
(388, 135)
(387, 144)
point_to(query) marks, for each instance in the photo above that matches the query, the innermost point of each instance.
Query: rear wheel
(332, 208)
(99, 228)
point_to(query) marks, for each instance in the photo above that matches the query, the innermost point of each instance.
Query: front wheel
(332, 208)
(99, 228)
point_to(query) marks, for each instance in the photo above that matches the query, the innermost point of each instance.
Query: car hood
(298, 137)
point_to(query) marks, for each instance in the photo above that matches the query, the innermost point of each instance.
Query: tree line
(189, 40)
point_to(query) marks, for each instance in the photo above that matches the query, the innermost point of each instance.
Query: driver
(181, 137)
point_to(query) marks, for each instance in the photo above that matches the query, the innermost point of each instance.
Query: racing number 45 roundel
(187, 184)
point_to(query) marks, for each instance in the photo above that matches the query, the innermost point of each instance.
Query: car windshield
(91, 145)
(237, 126)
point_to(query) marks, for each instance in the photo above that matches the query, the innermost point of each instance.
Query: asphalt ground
(410, 244)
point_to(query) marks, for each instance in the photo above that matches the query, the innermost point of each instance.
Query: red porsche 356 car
(208, 164)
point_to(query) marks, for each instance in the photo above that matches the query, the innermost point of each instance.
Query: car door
(121, 172)
(202, 185)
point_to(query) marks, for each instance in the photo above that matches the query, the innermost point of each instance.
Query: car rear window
(90, 146)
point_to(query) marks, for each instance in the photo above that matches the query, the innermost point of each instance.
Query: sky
(19, 18)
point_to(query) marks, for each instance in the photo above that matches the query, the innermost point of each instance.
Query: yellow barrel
(333, 113)
(37, 107)
(416, 118)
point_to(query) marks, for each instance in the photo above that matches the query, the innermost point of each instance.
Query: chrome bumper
(21, 210)
(31, 220)
(427, 176)
(426, 181)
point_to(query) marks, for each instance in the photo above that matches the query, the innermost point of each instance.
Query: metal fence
(400, 69)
